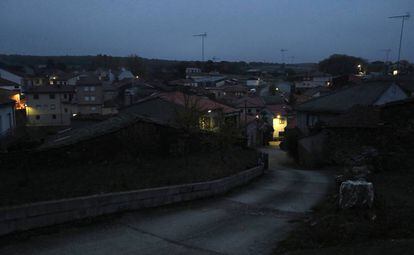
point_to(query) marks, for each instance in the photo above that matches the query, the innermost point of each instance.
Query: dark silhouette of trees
(341, 64)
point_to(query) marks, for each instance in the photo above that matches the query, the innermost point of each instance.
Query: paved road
(249, 220)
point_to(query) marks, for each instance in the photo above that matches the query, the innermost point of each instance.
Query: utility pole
(282, 51)
(403, 18)
(203, 35)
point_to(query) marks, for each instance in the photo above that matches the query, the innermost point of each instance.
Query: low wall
(25, 217)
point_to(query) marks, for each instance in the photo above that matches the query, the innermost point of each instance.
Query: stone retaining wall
(25, 217)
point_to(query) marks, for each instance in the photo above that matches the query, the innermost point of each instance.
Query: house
(49, 105)
(189, 71)
(257, 131)
(7, 116)
(253, 82)
(324, 108)
(212, 114)
(209, 80)
(314, 80)
(183, 82)
(125, 74)
(250, 105)
(278, 118)
(89, 95)
(229, 91)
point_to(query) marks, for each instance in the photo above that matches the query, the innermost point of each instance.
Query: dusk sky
(249, 30)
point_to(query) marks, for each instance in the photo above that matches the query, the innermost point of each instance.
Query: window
(35, 96)
(54, 116)
(93, 108)
(66, 110)
(85, 88)
(92, 98)
(38, 106)
(92, 88)
(38, 117)
(65, 96)
(52, 107)
(249, 110)
(86, 98)
(311, 120)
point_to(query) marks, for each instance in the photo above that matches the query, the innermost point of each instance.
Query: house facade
(49, 105)
(89, 96)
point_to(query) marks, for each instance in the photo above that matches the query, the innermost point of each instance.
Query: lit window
(85, 88)
(87, 98)
(92, 98)
(93, 108)
(92, 88)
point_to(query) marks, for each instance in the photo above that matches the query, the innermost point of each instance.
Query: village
(91, 135)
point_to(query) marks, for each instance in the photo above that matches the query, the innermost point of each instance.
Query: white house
(125, 74)
(323, 80)
(253, 82)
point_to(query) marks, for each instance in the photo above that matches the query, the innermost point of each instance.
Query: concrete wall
(25, 217)
(7, 119)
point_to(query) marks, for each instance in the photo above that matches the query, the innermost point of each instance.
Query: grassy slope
(48, 184)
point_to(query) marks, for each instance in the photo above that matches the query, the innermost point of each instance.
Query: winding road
(249, 220)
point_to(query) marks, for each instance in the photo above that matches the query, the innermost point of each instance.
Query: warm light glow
(209, 111)
(277, 88)
(359, 66)
(74, 115)
(137, 77)
(278, 116)
(257, 116)
(395, 72)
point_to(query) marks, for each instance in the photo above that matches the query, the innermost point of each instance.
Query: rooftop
(343, 99)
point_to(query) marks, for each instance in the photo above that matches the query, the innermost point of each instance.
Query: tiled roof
(343, 99)
(250, 101)
(203, 103)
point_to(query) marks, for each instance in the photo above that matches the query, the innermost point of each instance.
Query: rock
(356, 194)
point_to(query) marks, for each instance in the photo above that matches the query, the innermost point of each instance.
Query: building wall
(7, 119)
(87, 109)
(306, 120)
(90, 99)
(279, 125)
(314, 82)
(47, 111)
